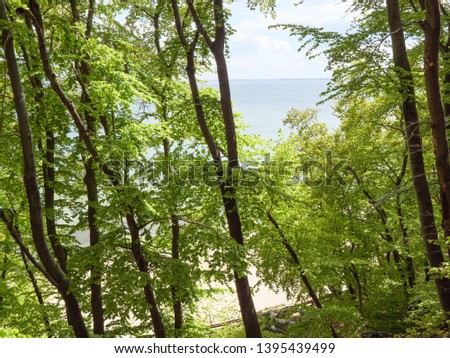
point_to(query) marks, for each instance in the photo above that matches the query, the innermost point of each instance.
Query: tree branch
(199, 24)
(15, 234)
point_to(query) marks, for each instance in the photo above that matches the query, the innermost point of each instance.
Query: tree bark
(419, 179)
(355, 274)
(48, 165)
(217, 48)
(445, 49)
(90, 180)
(38, 293)
(175, 222)
(432, 30)
(177, 308)
(48, 169)
(405, 235)
(402, 224)
(143, 266)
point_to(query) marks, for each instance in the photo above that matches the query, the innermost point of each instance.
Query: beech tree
(51, 269)
(362, 72)
(216, 45)
(406, 83)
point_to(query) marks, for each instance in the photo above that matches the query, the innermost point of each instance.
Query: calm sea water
(265, 103)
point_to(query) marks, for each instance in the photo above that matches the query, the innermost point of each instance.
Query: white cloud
(257, 52)
(267, 44)
(262, 43)
(330, 13)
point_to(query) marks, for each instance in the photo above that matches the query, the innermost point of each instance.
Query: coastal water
(265, 103)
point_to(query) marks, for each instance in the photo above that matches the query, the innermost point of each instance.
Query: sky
(259, 53)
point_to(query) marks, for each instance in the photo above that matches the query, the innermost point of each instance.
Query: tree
(410, 116)
(54, 272)
(363, 70)
(217, 47)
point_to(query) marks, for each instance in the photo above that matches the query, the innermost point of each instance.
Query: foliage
(330, 218)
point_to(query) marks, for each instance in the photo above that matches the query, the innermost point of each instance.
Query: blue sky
(257, 52)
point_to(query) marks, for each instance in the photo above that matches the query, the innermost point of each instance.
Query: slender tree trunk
(38, 293)
(217, 48)
(177, 308)
(175, 223)
(432, 30)
(48, 165)
(4, 270)
(410, 116)
(90, 180)
(296, 260)
(401, 221)
(405, 235)
(94, 238)
(48, 169)
(248, 312)
(445, 49)
(446, 94)
(351, 290)
(175, 227)
(143, 266)
(355, 274)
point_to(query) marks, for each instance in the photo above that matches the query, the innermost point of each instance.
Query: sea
(264, 103)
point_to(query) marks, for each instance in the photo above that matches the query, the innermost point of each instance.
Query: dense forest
(106, 129)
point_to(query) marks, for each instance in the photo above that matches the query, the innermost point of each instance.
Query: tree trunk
(445, 49)
(175, 222)
(405, 235)
(48, 169)
(419, 179)
(432, 30)
(143, 266)
(296, 260)
(38, 293)
(248, 311)
(177, 308)
(355, 274)
(94, 237)
(401, 221)
(48, 165)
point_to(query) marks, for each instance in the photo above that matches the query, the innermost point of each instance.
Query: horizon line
(273, 79)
